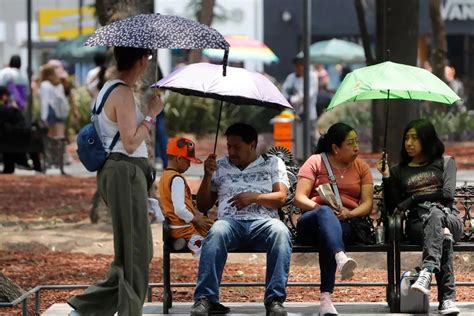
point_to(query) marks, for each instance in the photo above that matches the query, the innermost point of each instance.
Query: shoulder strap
(332, 178)
(112, 86)
(95, 112)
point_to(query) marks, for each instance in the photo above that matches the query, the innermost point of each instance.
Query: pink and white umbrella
(239, 86)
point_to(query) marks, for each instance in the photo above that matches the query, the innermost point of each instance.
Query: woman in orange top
(327, 226)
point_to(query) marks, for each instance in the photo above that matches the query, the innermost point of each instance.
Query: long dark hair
(336, 134)
(431, 146)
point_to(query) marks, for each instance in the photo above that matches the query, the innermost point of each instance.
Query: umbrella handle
(224, 62)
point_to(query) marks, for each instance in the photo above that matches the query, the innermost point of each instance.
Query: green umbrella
(335, 51)
(74, 50)
(390, 81)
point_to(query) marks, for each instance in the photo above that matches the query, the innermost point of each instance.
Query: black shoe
(200, 307)
(275, 308)
(218, 308)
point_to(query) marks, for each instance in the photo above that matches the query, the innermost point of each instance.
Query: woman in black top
(423, 184)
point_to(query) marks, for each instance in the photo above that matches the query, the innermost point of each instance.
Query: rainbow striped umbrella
(244, 48)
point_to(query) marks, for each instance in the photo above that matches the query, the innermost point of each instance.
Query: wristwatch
(150, 120)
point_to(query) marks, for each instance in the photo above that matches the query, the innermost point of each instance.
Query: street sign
(65, 23)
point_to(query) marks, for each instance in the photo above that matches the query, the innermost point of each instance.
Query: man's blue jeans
(161, 139)
(321, 227)
(270, 235)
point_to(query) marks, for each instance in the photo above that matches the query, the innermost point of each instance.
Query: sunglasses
(189, 146)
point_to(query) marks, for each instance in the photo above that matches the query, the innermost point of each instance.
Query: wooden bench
(288, 215)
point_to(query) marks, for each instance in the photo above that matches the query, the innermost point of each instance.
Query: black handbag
(362, 227)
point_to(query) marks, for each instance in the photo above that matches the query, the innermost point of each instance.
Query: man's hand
(210, 165)
(201, 221)
(243, 199)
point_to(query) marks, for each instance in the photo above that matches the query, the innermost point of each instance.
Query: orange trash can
(283, 131)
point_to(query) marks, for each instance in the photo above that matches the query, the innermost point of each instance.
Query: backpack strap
(332, 178)
(95, 112)
(111, 87)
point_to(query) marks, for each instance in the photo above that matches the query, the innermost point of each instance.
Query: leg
(274, 237)
(445, 277)
(8, 163)
(123, 187)
(225, 235)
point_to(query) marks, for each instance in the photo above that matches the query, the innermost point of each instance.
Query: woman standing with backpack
(123, 184)
(423, 185)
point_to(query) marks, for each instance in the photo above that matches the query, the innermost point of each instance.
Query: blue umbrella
(335, 51)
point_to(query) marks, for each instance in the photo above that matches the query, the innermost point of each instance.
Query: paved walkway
(197, 172)
(305, 308)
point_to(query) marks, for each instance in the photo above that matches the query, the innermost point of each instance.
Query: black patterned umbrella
(158, 31)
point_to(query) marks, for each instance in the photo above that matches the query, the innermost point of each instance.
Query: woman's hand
(385, 173)
(343, 214)
(155, 106)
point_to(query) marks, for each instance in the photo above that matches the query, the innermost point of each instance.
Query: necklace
(343, 172)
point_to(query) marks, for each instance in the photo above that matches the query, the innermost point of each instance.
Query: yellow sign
(64, 23)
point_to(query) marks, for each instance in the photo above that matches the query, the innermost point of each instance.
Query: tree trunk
(397, 31)
(364, 34)
(204, 16)
(9, 290)
(440, 45)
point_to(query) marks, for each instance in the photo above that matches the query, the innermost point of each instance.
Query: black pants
(427, 228)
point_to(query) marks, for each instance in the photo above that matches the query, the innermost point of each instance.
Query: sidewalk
(305, 308)
(196, 172)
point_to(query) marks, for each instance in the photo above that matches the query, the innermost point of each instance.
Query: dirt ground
(46, 238)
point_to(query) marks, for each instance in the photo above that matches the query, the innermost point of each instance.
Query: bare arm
(120, 107)
(366, 201)
(304, 187)
(205, 198)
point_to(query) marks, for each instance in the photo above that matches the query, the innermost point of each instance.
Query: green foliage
(190, 114)
(83, 103)
(356, 114)
(452, 125)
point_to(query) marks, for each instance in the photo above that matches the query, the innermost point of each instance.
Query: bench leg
(397, 275)
(391, 290)
(167, 295)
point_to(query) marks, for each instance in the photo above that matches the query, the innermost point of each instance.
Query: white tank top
(109, 128)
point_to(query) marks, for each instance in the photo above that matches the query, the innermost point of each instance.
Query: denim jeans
(270, 235)
(427, 228)
(321, 227)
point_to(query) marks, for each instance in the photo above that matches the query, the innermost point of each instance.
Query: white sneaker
(346, 267)
(422, 284)
(448, 307)
(325, 306)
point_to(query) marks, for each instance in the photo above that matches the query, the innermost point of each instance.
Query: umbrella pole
(217, 131)
(385, 134)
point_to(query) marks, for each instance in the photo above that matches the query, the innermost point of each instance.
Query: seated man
(250, 188)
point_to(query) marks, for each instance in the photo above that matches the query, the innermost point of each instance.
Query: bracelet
(147, 127)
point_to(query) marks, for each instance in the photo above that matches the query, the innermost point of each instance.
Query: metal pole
(29, 71)
(307, 132)
(81, 4)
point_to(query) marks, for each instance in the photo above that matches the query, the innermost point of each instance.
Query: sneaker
(200, 307)
(422, 284)
(275, 308)
(448, 307)
(326, 307)
(346, 267)
(218, 308)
